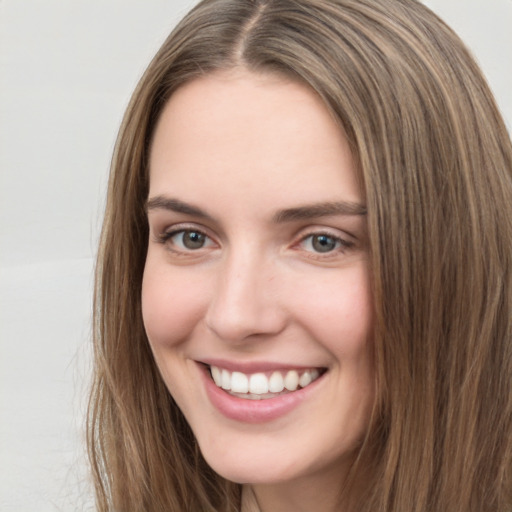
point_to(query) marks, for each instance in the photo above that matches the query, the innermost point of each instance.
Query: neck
(299, 496)
(249, 502)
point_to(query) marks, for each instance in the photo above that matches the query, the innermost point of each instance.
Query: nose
(245, 302)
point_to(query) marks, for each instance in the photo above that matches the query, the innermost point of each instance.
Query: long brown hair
(435, 163)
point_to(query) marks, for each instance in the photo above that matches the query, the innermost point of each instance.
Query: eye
(323, 243)
(187, 239)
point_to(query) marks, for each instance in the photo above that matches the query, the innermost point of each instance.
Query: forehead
(240, 131)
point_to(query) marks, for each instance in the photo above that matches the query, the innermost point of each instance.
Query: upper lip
(249, 367)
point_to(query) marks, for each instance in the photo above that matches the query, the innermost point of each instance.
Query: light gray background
(67, 69)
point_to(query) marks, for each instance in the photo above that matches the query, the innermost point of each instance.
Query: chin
(252, 474)
(246, 467)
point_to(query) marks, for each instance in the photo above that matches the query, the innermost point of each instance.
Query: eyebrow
(319, 210)
(311, 211)
(175, 205)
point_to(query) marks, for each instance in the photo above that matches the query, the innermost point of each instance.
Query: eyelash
(166, 237)
(340, 244)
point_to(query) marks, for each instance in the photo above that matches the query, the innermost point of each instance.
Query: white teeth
(239, 382)
(291, 381)
(305, 379)
(258, 385)
(216, 374)
(276, 383)
(225, 380)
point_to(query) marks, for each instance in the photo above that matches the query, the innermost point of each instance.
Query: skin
(243, 147)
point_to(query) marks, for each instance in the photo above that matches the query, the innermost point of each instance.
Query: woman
(303, 286)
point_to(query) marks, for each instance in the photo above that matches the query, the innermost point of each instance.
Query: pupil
(323, 243)
(193, 240)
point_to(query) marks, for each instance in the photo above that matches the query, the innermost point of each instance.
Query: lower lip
(254, 411)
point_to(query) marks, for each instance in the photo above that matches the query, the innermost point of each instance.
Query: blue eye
(322, 243)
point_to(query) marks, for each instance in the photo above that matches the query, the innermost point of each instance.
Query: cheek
(339, 312)
(172, 305)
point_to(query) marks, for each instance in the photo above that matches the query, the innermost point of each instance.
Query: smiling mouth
(263, 385)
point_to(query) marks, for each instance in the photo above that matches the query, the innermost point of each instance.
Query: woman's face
(257, 274)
